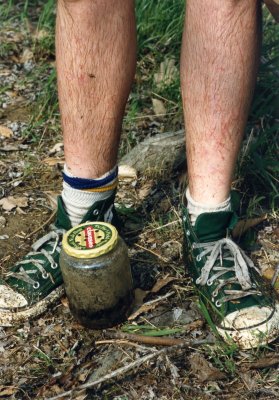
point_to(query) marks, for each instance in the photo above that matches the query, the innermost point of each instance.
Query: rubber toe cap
(9, 299)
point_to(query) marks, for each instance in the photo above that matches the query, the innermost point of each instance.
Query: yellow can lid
(90, 240)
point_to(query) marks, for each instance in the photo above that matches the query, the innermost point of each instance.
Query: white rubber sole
(253, 336)
(10, 318)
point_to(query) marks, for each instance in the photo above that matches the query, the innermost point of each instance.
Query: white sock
(77, 202)
(195, 208)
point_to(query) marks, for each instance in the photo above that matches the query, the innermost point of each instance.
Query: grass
(159, 30)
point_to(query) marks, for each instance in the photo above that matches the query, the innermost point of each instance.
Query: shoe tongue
(210, 227)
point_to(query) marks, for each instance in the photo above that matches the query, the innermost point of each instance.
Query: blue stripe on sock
(83, 183)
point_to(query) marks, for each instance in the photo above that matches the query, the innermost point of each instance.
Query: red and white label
(89, 237)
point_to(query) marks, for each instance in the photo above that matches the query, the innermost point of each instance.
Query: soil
(52, 354)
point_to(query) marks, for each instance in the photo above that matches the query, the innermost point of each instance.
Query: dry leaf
(52, 197)
(6, 132)
(26, 56)
(167, 73)
(245, 224)
(268, 274)
(145, 190)
(53, 161)
(4, 237)
(162, 283)
(2, 222)
(40, 34)
(264, 362)
(125, 171)
(140, 295)
(9, 147)
(204, 370)
(249, 380)
(56, 148)
(20, 211)
(158, 107)
(7, 390)
(144, 308)
(5, 72)
(10, 202)
(65, 302)
(149, 306)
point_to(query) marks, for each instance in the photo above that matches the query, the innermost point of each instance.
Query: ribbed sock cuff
(78, 201)
(195, 208)
(89, 184)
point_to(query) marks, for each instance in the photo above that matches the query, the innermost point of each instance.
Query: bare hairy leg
(96, 57)
(219, 60)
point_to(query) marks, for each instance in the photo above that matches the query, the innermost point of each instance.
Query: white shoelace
(226, 249)
(51, 238)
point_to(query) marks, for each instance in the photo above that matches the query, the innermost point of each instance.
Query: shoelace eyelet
(198, 258)
(45, 276)
(218, 304)
(215, 293)
(193, 245)
(188, 233)
(36, 285)
(96, 212)
(54, 266)
(209, 282)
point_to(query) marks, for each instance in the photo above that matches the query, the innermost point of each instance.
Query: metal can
(97, 275)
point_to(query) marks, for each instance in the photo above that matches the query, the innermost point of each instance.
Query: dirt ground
(54, 354)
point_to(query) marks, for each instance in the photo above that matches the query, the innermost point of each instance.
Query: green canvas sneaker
(35, 282)
(230, 286)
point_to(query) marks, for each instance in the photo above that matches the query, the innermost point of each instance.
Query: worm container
(97, 275)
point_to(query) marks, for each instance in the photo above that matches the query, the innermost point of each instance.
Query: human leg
(96, 55)
(219, 60)
(218, 68)
(95, 61)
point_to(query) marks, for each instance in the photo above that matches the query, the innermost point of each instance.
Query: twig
(125, 343)
(155, 341)
(152, 252)
(163, 226)
(163, 98)
(148, 305)
(120, 371)
(42, 226)
(150, 116)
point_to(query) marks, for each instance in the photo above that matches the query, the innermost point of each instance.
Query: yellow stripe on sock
(103, 189)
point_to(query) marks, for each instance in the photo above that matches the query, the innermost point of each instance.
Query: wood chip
(264, 362)
(6, 132)
(245, 224)
(162, 283)
(126, 172)
(10, 202)
(158, 107)
(204, 370)
(53, 161)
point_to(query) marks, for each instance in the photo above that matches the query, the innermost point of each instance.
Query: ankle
(80, 194)
(195, 208)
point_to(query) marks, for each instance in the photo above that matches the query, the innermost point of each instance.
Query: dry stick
(148, 305)
(152, 252)
(42, 226)
(155, 341)
(130, 366)
(118, 371)
(124, 342)
(124, 369)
